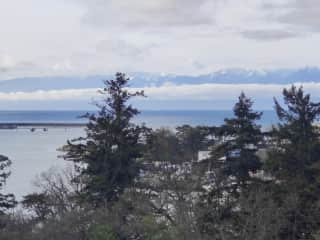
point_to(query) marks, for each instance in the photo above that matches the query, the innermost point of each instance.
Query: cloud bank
(88, 37)
(142, 14)
(51, 95)
(202, 92)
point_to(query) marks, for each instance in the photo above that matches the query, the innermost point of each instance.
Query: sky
(87, 37)
(68, 37)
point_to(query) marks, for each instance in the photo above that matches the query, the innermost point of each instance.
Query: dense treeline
(226, 182)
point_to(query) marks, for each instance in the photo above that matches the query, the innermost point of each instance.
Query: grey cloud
(198, 65)
(304, 13)
(149, 13)
(294, 18)
(53, 95)
(269, 35)
(9, 65)
(301, 14)
(121, 48)
(167, 92)
(3, 69)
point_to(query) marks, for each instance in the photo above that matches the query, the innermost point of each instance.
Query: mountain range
(230, 76)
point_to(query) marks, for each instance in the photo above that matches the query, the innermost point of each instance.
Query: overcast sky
(87, 37)
(72, 37)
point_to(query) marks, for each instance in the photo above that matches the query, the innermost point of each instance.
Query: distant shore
(39, 125)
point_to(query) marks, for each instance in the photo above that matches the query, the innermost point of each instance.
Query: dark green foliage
(107, 156)
(7, 201)
(297, 137)
(102, 232)
(17, 227)
(228, 173)
(141, 184)
(163, 146)
(193, 140)
(38, 204)
(294, 161)
(259, 216)
(242, 138)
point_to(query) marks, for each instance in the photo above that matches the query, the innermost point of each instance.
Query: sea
(35, 152)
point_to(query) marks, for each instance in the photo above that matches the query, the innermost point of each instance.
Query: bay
(35, 152)
(154, 119)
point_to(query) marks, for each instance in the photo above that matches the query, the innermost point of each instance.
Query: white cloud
(168, 92)
(6, 62)
(151, 13)
(87, 37)
(65, 65)
(52, 95)
(222, 91)
(123, 48)
(269, 35)
(301, 15)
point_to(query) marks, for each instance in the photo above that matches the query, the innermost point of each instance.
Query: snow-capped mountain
(230, 76)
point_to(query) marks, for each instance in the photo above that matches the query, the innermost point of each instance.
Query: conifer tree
(7, 201)
(295, 163)
(228, 171)
(297, 137)
(192, 140)
(107, 156)
(242, 137)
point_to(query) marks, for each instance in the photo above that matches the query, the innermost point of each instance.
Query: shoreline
(38, 125)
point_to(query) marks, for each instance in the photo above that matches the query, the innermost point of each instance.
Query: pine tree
(192, 140)
(107, 156)
(242, 137)
(7, 201)
(294, 162)
(297, 136)
(227, 174)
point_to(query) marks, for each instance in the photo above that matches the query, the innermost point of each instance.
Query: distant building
(203, 155)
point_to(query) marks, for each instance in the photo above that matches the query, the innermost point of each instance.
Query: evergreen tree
(169, 181)
(241, 139)
(296, 136)
(192, 140)
(7, 201)
(107, 156)
(294, 162)
(227, 174)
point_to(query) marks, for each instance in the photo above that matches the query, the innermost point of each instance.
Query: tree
(260, 217)
(296, 137)
(193, 140)
(242, 137)
(163, 171)
(56, 194)
(107, 156)
(294, 163)
(169, 184)
(7, 201)
(227, 173)
(39, 204)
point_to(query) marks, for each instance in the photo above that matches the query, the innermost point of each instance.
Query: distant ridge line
(30, 125)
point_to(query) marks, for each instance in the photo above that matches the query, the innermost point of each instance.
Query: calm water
(35, 152)
(153, 119)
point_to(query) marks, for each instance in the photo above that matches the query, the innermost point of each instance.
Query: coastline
(39, 125)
